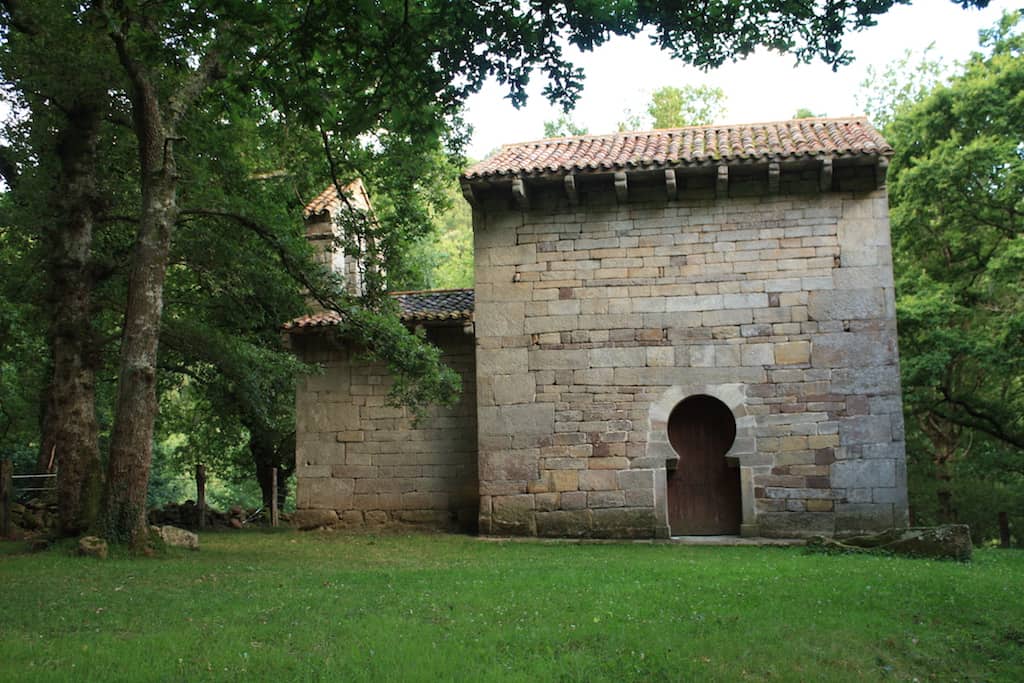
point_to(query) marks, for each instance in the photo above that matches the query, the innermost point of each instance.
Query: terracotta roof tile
(438, 304)
(690, 146)
(307, 322)
(325, 201)
(328, 200)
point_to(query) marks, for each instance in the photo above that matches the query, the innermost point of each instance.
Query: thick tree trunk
(70, 431)
(131, 444)
(266, 458)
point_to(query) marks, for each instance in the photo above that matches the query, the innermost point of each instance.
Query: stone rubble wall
(588, 317)
(362, 462)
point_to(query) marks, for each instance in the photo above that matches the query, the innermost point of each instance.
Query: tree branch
(981, 421)
(210, 69)
(146, 114)
(296, 268)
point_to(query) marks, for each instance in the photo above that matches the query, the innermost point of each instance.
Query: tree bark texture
(70, 429)
(67, 114)
(131, 443)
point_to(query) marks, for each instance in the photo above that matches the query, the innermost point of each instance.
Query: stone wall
(367, 463)
(323, 233)
(594, 320)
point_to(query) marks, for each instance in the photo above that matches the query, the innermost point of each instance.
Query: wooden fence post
(201, 494)
(273, 497)
(6, 496)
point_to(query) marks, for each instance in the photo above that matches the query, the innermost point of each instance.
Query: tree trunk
(131, 444)
(201, 494)
(264, 475)
(945, 439)
(70, 430)
(267, 459)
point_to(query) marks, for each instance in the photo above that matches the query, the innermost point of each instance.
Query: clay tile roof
(325, 201)
(329, 201)
(695, 145)
(438, 304)
(308, 322)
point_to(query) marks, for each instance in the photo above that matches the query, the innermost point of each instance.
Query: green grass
(333, 607)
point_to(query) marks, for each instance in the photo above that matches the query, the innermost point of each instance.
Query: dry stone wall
(362, 462)
(593, 320)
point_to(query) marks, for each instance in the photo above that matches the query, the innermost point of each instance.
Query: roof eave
(709, 163)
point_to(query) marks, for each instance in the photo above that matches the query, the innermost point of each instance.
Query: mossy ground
(289, 606)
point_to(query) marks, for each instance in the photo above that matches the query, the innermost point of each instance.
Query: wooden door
(703, 491)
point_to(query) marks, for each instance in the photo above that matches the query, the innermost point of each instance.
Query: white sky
(766, 87)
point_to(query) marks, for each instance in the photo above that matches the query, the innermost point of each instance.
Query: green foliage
(956, 185)
(446, 254)
(563, 127)
(957, 192)
(805, 113)
(317, 606)
(672, 107)
(900, 84)
(167, 483)
(977, 497)
(22, 363)
(690, 105)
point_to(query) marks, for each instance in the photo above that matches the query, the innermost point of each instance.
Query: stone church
(678, 332)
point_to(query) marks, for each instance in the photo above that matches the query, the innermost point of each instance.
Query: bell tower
(324, 232)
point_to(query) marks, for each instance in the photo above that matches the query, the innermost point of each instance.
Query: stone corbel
(671, 188)
(825, 175)
(881, 171)
(570, 190)
(774, 175)
(621, 187)
(722, 181)
(520, 195)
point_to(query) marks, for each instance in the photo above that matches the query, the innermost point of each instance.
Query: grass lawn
(328, 606)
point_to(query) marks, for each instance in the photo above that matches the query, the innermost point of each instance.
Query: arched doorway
(703, 490)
